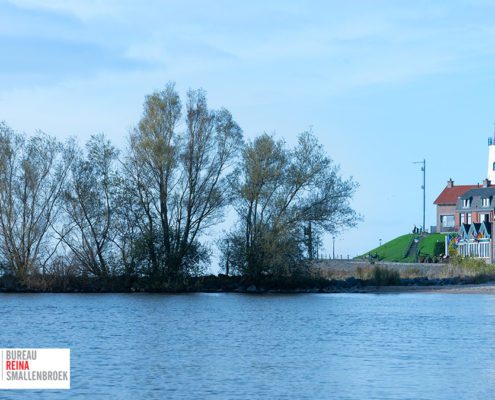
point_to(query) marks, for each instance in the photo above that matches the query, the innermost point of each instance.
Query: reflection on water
(234, 346)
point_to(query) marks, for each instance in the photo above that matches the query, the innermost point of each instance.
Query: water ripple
(233, 346)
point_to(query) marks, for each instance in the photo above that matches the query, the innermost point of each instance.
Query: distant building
(474, 213)
(447, 204)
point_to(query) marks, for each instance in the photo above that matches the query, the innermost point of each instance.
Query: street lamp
(317, 247)
(416, 240)
(333, 247)
(423, 168)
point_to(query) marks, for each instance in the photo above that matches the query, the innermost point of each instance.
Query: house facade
(474, 215)
(475, 240)
(446, 205)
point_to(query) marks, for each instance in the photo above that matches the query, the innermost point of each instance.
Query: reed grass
(381, 276)
(469, 266)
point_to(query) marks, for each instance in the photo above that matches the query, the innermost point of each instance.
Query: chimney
(486, 183)
(450, 183)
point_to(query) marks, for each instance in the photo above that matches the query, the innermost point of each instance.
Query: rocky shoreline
(226, 285)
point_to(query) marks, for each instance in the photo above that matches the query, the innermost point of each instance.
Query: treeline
(142, 213)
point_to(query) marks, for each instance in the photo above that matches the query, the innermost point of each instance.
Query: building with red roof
(446, 205)
(469, 210)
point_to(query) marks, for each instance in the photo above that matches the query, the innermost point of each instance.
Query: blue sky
(383, 83)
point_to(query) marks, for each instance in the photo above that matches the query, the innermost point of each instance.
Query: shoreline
(484, 288)
(383, 283)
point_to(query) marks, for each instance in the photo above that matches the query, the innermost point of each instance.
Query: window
(484, 217)
(462, 218)
(447, 221)
(480, 250)
(468, 218)
(466, 203)
(484, 250)
(494, 166)
(485, 202)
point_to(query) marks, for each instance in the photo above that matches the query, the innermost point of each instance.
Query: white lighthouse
(491, 160)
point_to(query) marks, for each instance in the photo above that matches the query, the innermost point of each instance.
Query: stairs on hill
(414, 246)
(412, 250)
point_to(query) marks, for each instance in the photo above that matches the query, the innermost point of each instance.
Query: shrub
(460, 265)
(385, 277)
(413, 272)
(364, 273)
(438, 248)
(381, 276)
(452, 251)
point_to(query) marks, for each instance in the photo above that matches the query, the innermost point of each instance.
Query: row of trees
(144, 212)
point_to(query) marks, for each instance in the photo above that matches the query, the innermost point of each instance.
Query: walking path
(486, 288)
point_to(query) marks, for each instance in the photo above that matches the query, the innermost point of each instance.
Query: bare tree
(277, 193)
(33, 172)
(179, 177)
(89, 228)
(127, 218)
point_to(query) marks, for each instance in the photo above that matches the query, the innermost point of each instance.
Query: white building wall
(491, 160)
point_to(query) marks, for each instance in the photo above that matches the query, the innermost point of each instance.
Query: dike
(423, 269)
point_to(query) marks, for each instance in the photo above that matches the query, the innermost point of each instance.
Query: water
(235, 346)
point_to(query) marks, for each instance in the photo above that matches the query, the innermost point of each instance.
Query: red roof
(450, 195)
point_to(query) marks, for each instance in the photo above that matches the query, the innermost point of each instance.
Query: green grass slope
(429, 242)
(394, 250)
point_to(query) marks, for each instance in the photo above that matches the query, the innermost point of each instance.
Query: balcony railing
(448, 229)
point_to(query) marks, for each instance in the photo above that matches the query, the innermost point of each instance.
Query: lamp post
(423, 168)
(416, 240)
(228, 256)
(317, 247)
(308, 233)
(333, 247)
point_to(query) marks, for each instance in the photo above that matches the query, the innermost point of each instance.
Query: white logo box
(34, 368)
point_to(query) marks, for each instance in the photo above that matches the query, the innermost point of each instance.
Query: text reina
(17, 360)
(17, 366)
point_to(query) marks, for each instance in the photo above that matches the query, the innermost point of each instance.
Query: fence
(419, 268)
(339, 257)
(445, 229)
(408, 247)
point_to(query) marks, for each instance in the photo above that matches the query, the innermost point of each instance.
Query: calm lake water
(235, 346)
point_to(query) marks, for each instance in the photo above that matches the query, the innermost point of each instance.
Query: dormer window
(466, 203)
(485, 202)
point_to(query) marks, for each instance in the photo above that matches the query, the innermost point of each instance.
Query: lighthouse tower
(491, 159)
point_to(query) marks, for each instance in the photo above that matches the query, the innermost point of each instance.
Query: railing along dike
(408, 247)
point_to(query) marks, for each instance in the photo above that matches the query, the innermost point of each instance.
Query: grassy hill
(394, 250)
(429, 242)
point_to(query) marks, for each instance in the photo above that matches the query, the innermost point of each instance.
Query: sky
(382, 83)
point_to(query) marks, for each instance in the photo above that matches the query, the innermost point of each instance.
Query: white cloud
(84, 9)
